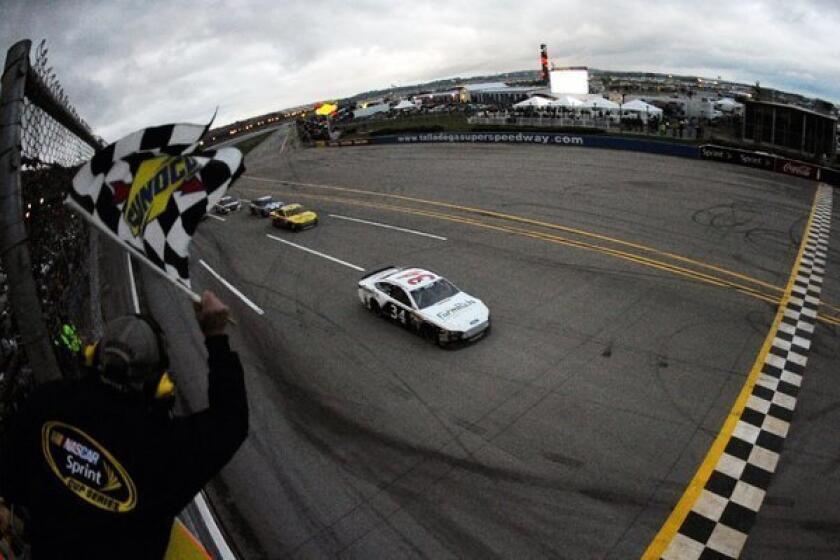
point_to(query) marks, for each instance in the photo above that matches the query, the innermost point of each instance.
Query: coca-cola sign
(796, 168)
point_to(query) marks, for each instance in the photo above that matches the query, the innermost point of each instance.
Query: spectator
(103, 469)
(11, 545)
(69, 347)
(58, 245)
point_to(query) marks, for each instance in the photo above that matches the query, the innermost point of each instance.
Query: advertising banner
(738, 157)
(797, 168)
(544, 139)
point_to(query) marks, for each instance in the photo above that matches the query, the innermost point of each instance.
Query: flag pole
(133, 250)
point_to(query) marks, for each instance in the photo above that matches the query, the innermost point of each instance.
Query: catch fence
(43, 246)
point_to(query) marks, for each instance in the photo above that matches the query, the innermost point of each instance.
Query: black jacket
(102, 475)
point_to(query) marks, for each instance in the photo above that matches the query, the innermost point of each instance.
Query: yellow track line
(646, 261)
(675, 520)
(638, 259)
(529, 221)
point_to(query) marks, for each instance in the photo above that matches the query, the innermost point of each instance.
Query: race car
(294, 217)
(263, 206)
(226, 205)
(425, 302)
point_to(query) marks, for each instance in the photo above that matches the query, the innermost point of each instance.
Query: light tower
(544, 63)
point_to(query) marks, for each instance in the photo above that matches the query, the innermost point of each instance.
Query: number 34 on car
(426, 302)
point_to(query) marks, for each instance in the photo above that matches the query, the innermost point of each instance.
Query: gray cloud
(127, 65)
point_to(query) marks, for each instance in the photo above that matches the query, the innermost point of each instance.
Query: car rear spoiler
(377, 271)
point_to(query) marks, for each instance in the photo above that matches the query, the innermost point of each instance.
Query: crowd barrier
(747, 158)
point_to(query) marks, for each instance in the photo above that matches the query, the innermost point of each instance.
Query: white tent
(404, 105)
(601, 104)
(728, 105)
(535, 101)
(371, 110)
(637, 106)
(566, 101)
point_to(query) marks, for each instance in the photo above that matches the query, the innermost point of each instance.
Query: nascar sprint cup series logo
(86, 468)
(154, 184)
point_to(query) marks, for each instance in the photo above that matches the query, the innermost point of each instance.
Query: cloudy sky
(127, 65)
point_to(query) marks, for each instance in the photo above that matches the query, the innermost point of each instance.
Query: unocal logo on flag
(156, 181)
(149, 191)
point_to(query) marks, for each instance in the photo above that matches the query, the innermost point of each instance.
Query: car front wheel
(374, 307)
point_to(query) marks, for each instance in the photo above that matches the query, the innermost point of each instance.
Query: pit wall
(746, 158)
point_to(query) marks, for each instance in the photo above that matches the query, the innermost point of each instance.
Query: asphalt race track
(630, 295)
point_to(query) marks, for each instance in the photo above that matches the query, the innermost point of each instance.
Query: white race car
(426, 302)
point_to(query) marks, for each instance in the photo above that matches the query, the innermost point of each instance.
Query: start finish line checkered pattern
(718, 523)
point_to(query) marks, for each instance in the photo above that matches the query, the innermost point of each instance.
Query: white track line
(215, 533)
(216, 217)
(134, 297)
(285, 138)
(377, 224)
(231, 287)
(314, 252)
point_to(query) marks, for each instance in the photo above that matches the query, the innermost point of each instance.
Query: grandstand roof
(484, 86)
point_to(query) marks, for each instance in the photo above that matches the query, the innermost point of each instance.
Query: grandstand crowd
(313, 128)
(58, 245)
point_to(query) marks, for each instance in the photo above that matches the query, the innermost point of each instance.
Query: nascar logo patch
(86, 468)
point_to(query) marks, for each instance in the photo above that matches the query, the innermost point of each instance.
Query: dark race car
(227, 204)
(264, 206)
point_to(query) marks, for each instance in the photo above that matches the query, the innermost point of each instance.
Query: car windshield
(294, 211)
(433, 293)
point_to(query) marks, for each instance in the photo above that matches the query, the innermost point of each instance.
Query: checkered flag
(150, 190)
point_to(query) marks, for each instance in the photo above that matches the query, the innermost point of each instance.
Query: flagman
(101, 468)
(99, 463)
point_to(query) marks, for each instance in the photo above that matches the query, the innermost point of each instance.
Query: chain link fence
(44, 141)
(46, 261)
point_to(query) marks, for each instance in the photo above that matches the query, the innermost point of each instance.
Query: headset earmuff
(90, 354)
(160, 387)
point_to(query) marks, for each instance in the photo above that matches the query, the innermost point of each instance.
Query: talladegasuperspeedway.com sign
(534, 138)
(493, 138)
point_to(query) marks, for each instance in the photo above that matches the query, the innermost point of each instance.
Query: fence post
(14, 252)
